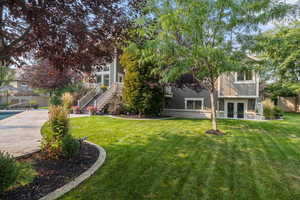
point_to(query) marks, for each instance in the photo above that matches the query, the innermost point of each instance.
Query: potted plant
(76, 109)
(92, 110)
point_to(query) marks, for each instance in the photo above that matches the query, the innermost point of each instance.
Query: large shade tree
(68, 33)
(203, 38)
(7, 75)
(280, 48)
(47, 77)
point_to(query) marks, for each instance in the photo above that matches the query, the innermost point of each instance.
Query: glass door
(230, 110)
(240, 110)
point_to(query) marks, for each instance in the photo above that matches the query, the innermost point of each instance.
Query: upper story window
(244, 76)
(106, 68)
(194, 103)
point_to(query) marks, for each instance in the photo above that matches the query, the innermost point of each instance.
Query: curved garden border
(78, 180)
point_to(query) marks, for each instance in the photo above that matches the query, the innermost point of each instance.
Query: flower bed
(52, 174)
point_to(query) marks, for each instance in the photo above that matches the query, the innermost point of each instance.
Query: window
(248, 75)
(106, 68)
(221, 104)
(251, 105)
(106, 79)
(244, 76)
(99, 78)
(194, 103)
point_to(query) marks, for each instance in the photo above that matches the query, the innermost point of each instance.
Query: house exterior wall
(228, 86)
(115, 71)
(179, 95)
(228, 90)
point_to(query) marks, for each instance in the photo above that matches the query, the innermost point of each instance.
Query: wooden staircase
(89, 98)
(107, 96)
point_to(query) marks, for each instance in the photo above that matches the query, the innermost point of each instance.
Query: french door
(236, 110)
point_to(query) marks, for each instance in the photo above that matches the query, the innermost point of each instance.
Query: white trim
(193, 99)
(245, 81)
(257, 84)
(235, 102)
(186, 110)
(239, 97)
(219, 85)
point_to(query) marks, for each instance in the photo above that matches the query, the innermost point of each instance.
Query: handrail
(86, 99)
(106, 96)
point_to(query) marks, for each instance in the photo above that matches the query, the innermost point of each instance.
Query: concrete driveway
(20, 134)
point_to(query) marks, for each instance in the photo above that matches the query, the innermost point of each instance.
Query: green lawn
(174, 159)
(45, 107)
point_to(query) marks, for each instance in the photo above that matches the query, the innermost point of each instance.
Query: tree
(280, 50)
(6, 75)
(281, 47)
(203, 38)
(46, 76)
(70, 34)
(142, 92)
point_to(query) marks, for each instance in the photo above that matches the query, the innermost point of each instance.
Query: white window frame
(193, 99)
(102, 74)
(244, 81)
(235, 102)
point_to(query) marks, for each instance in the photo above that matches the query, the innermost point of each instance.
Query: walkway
(20, 134)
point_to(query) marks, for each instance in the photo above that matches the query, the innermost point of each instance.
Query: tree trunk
(213, 110)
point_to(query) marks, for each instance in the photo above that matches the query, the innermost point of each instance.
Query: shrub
(8, 171)
(59, 127)
(59, 120)
(103, 87)
(116, 106)
(271, 111)
(4, 106)
(33, 104)
(55, 100)
(67, 100)
(278, 112)
(76, 109)
(70, 146)
(268, 109)
(268, 113)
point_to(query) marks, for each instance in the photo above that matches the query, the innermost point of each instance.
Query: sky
(271, 25)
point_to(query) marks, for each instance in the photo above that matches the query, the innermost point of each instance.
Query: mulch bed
(52, 174)
(215, 132)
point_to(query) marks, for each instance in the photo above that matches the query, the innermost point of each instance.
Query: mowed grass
(174, 159)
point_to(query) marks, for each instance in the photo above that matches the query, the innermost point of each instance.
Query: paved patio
(20, 134)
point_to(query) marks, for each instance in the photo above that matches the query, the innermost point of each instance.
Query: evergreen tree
(142, 93)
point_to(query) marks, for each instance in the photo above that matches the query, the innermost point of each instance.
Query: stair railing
(86, 99)
(103, 99)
